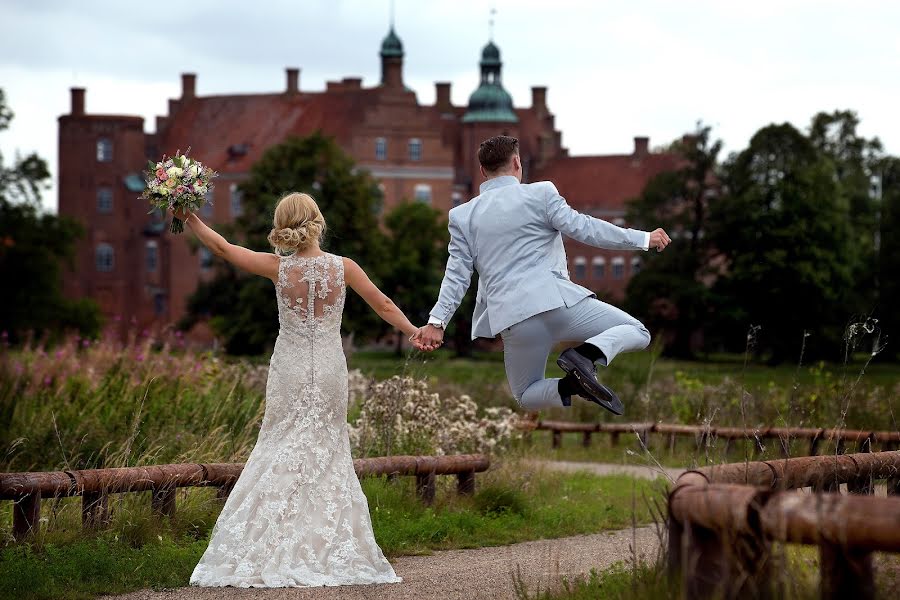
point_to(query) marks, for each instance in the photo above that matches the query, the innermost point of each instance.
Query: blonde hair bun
(298, 223)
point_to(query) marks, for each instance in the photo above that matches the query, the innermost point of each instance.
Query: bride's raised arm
(258, 263)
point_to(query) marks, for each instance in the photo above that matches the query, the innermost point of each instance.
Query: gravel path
(463, 574)
(642, 471)
(477, 573)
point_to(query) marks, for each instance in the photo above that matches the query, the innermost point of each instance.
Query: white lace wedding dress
(297, 516)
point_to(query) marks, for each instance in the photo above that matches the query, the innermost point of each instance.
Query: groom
(512, 235)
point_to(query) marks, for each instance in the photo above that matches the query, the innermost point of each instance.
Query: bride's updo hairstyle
(297, 225)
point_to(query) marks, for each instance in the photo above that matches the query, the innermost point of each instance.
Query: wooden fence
(723, 521)
(95, 485)
(865, 440)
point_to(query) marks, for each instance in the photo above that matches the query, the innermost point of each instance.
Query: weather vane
(491, 22)
(392, 14)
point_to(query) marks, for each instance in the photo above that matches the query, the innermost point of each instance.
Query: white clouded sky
(614, 69)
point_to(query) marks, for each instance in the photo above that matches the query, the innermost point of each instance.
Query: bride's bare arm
(383, 306)
(258, 263)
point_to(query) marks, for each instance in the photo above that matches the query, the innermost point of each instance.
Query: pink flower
(47, 381)
(161, 175)
(85, 343)
(179, 190)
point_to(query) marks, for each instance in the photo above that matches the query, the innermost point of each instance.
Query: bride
(297, 516)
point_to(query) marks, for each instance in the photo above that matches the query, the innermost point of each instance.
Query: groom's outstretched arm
(457, 276)
(590, 230)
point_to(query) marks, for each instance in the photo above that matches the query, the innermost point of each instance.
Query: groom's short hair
(495, 153)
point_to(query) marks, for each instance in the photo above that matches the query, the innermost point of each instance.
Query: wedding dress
(297, 516)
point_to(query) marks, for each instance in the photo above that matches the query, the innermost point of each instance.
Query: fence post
(162, 501)
(425, 487)
(26, 515)
(94, 509)
(614, 438)
(586, 439)
(465, 483)
(846, 573)
(557, 438)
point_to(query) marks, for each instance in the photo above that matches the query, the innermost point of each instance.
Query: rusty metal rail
(723, 521)
(95, 485)
(865, 440)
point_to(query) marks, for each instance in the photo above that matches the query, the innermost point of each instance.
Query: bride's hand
(181, 213)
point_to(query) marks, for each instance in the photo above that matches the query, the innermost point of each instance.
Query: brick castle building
(139, 273)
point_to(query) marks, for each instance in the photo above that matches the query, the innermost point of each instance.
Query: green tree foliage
(669, 294)
(416, 250)
(888, 265)
(854, 160)
(784, 234)
(242, 307)
(33, 246)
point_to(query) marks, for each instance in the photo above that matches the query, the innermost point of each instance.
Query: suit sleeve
(590, 230)
(457, 276)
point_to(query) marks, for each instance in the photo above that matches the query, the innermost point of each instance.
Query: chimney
(641, 146)
(77, 101)
(352, 83)
(539, 98)
(188, 85)
(442, 96)
(293, 80)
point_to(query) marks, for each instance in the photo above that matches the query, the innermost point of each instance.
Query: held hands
(428, 338)
(659, 239)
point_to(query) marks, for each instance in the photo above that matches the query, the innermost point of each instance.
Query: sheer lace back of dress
(311, 290)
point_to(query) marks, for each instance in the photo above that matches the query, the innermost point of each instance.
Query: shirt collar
(497, 182)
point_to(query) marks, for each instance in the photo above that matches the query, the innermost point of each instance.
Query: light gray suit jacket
(512, 235)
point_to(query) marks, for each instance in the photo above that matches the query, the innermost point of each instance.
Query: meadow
(100, 403)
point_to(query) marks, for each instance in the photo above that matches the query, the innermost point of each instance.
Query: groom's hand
(429, 338)
(659, 239)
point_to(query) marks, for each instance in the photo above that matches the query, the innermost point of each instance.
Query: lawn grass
(511, 505)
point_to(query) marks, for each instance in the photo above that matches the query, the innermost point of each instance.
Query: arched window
(635, 265)
(104, 258)
(380, 148)
(618, 267)
(580, 267)
(104, 150)
(104, 200)
(599, 264)
(456, 199)
(423, 193)
(415, 149)
(152, 255)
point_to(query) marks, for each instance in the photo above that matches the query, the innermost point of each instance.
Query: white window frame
(598, 261)
(104, 150)
(422, 193)
(618, 267)
(636, 265)
(580, 267)
(415, 149)
(381, 148)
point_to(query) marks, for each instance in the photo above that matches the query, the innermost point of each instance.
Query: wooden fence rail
(94, 485)
(723, 521)
(865, 440)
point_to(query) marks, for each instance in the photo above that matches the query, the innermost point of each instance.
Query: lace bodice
(311, 294)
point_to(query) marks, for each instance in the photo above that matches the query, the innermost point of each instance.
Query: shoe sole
(613, 404)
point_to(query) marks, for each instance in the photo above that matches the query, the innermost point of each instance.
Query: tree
(783, 232)
(33, 246)
(854, 160)
(669, 293)
(888, 266)
(241, 306)
(412, 277)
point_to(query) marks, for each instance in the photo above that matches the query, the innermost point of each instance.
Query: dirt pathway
(476, 573)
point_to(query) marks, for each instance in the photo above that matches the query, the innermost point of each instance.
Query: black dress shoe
(582, 369)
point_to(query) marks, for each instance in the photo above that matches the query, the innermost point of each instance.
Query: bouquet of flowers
(177, 183)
